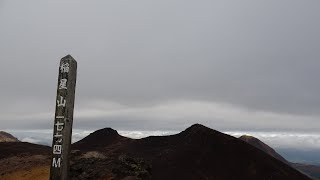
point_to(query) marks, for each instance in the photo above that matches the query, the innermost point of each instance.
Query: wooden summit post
(62, 131)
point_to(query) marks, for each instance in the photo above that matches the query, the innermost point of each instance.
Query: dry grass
(37, 173)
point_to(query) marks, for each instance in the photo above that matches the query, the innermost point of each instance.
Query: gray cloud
(259, 58)
(172, 116)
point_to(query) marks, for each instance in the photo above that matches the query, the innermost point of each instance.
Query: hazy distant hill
(262, 146)
(311, 170)
(6, 137)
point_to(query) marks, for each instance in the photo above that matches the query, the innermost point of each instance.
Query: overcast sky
(164, 65)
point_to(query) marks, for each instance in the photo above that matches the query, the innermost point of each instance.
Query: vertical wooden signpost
(62, 131)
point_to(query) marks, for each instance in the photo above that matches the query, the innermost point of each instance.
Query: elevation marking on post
(62, 129)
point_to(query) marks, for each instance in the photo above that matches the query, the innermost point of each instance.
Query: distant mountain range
(196, 153)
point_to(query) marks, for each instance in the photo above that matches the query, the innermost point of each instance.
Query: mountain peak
(197, 128)
(199, 135)
(106, 132)
(98, 139)
(197, 125)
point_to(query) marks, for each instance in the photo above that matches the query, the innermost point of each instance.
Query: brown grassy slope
(8, 149)
(20, 157)
(36, 173)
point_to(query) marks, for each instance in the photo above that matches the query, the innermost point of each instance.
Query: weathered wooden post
(62, 131)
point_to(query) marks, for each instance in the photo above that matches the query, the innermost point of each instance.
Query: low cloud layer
(170, 115)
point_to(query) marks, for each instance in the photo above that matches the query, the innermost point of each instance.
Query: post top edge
(68, 57)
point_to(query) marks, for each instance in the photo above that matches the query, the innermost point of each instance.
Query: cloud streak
(172, 115)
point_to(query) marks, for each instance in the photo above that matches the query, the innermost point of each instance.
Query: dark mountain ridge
(196, 153)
